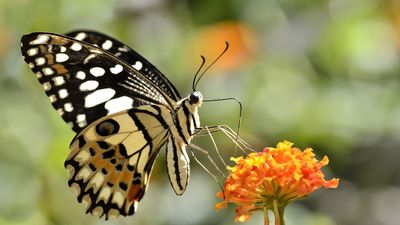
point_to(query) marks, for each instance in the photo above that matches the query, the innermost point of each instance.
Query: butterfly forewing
(84, 82)
(130, 56)
(110, 161)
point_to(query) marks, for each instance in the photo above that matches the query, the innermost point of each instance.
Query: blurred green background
(323, 74)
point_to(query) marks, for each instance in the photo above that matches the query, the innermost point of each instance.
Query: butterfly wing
(130, 56)
(84, 82)
(110, 161)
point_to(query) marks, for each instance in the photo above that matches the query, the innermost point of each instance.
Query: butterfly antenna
(215, 60)
(203, 61)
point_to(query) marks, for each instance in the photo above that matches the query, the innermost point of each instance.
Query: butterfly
(123, 110)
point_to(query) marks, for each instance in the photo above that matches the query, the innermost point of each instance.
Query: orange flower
(271, 179)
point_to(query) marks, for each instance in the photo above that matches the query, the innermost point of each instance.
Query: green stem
(281, 214)
(266, 219)
(278, 213)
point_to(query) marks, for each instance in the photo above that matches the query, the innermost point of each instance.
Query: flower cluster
(271, 179)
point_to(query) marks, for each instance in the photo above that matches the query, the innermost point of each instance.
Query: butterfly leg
(232, 135)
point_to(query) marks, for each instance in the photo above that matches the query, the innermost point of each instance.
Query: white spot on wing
(62, 48)
(81, 120)
(118, 104)
(107, 45)
(39, 74)
(46, 86)
(63, 93)
(99, 97)
(41, 38)
(68, 107)
(40, 61)
(31, 65)
(61, 57)
(53, 98)
(138, 65)
(80, 75)
(123, 49)
(32, 51)
(76, 46)
(116, 69)
(89, 85)
(80, 36)
(47, 71)
(60, 111)
(59, 80)
(97, 71)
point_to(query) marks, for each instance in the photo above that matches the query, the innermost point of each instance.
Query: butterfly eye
(107, 127)
(194, 98)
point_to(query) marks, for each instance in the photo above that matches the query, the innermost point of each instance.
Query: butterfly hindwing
(130, 56)
(84, 82)
(110, 161)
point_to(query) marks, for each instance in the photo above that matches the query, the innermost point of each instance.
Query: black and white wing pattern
(128, 55)
(123, 110)
(85, 82)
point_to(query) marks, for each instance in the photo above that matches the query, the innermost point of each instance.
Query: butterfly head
(193, 102)
(195, 99)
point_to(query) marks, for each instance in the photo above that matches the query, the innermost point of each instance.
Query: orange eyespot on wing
(136, 191)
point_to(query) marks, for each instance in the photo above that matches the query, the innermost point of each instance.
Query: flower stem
(266, 219)
(278, 213)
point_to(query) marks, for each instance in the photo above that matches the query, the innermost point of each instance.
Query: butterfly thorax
(186, 117)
